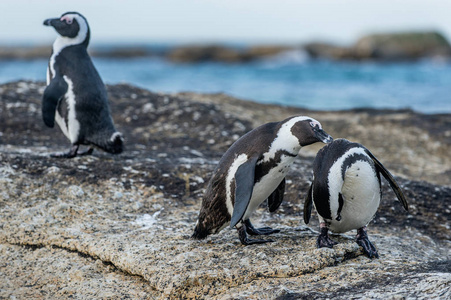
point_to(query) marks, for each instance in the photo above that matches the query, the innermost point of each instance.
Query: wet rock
(119, 226)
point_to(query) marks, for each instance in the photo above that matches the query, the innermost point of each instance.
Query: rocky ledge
(106, 226)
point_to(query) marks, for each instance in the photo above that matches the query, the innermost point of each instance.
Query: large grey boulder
(115, 227)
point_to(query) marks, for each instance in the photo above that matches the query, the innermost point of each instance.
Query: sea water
(290, 79)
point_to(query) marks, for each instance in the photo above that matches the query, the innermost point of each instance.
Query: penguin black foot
(250, 229)
(368, 247)
(324, 240)
(87, 152)
(245, 240)
(72, 152)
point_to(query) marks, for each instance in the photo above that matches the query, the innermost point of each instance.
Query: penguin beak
(51, 22)
(323, 136)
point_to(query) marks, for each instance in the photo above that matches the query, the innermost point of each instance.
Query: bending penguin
(252, 170)
(75, 96)
(346, 192)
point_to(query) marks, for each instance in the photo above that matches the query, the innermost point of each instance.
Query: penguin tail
(115, 144)
(200, 232)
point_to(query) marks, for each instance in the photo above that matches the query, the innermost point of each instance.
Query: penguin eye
(67, 19)
(314, 124)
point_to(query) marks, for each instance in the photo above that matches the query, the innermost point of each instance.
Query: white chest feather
(335, 179)
(71, 129)
(361, 198)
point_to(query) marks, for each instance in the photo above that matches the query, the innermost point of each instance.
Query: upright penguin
(346, 191)
(252, 170)
(75, 96)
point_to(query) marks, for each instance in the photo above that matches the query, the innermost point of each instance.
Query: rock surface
(107, 226)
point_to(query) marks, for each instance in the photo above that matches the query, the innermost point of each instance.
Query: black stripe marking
(263, 168)
(340, 206)
(352, 159)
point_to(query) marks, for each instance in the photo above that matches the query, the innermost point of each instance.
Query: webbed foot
(87, 152)
(368, 247)
(242, 233)
(324, 240)
(250, 229)
(72, 152)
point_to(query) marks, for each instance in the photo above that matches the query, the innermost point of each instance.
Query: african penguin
(252, 170)
(75, 96)
(346, 191)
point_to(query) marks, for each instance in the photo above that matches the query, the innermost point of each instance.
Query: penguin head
(71, 26)
(309, 131)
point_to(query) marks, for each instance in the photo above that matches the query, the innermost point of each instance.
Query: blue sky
(197, 21)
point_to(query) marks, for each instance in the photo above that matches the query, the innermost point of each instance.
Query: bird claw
(242, 233)
(87, 152)
(324, 240)
(72, 153)
(69, 154)
(250, 229)
(363, 241)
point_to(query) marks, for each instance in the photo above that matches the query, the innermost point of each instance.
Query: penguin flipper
(308, 203)
(276, 198)
(244, 184)
(391, 180)
(52, 94)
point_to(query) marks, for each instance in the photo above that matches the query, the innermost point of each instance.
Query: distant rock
(262, 51)
(329, 51)
(121, 52)
(198, 53)
(178, 54)
(36, 52)
(402, 46)
(201, 53)
(406, 46)
(18, 52)
(386, 47)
